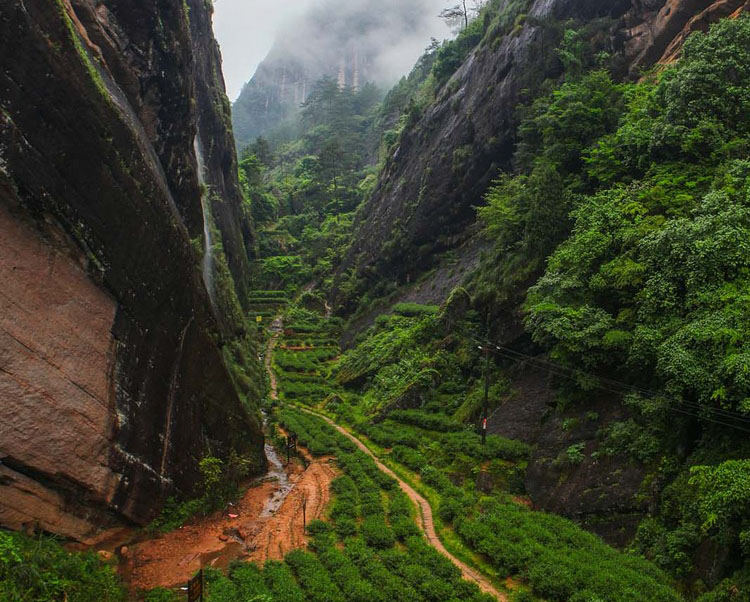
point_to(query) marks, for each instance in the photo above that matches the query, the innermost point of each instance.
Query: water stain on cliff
(108, 400)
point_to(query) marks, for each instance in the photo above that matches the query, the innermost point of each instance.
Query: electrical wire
(694, 409)
(648, 393)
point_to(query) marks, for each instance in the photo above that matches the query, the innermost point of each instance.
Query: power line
(653, 394)
(691, 405)
(715, 414)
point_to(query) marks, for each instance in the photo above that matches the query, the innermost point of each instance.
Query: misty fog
(392, 33)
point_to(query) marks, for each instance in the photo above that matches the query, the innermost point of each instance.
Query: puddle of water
(224, 557)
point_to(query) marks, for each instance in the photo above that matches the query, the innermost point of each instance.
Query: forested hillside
(604, 263)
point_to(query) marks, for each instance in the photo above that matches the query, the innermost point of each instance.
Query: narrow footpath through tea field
(426, 524)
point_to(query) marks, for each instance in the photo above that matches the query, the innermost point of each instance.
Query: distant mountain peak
(351, 42)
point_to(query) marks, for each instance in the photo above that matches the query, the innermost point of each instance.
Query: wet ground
(266, 523)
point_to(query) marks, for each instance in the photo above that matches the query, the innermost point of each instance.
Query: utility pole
(486, 393)
(485, 403)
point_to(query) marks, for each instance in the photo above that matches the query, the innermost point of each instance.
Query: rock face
(425, 197)
(216, 143)
(657, 30)
(112, 382)
(283, 82)
(309, 49)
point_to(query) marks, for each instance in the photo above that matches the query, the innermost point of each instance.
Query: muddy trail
(265, 524)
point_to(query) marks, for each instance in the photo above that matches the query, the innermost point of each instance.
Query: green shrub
(160, 594)
(559, 558)
(40, 570)
(377, 533)
(415, 310)
(281, 582)
(314, 578)
(427, 420)
(174, 514)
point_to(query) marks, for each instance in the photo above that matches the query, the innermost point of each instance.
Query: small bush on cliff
(40, 570)
(220, 485)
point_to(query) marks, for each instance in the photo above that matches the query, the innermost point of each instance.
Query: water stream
(208, 245)
(275, 471)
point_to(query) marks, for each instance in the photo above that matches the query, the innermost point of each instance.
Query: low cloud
(389, 35)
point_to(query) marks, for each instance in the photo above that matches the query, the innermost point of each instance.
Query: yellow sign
(259, 319)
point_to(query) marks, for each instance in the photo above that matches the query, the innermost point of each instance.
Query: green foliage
(526, 215)
(628, 438)
(314, 578)
(39, 570)
(220, 481)
(212, 471)
(281, 582)
(303, 192)
(284, 271)
(724, 492)
(264, 207)
(376, 532)
(559, 559)
(176, 513)
(426, 420)
(629, 208)
(371, 512)
(643, 249)
(415, 310)
(669, 549)
(500, 18)
(733, 589)
(160, 594)
(574, 455)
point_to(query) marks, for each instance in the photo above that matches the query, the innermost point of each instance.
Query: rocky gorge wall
(112, 381)
(425, 197)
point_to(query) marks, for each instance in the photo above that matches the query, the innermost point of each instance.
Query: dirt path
(427, 523)
(276, 330)
(266, 523)
(173, 558)
(428, 526)
(284, 532)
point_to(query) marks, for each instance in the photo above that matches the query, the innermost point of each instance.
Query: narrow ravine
(426, 523)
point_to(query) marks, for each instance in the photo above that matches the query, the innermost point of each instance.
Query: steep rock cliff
(284, 81)
(216, 143)
(112, 381)
(425, 196)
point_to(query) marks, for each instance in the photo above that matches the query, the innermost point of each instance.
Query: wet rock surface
(112, 384)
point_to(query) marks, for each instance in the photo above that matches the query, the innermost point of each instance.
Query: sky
(246, 30)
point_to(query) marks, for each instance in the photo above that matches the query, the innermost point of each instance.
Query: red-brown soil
(173, 558)
(257, 534)
(273, 538)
